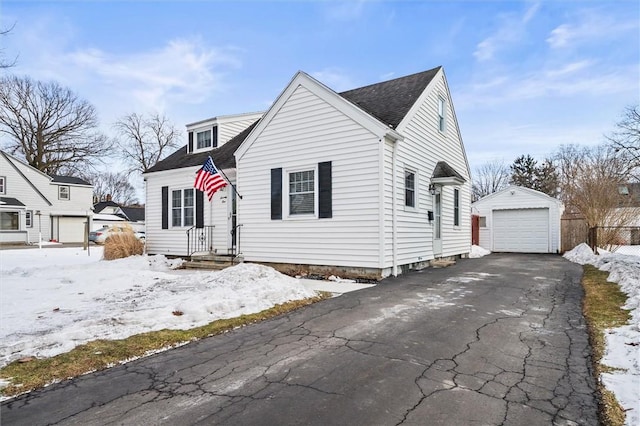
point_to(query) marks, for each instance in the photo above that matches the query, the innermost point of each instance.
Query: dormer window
(204, 139)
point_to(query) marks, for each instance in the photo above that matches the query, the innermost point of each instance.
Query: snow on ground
(477, 251)
(54, 299)
(622, 343)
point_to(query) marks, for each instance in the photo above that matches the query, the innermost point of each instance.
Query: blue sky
(525, 76)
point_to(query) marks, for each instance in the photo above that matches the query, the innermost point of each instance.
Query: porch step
(212, 262)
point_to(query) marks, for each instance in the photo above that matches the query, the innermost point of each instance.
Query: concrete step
(210, 257)
(207, 265)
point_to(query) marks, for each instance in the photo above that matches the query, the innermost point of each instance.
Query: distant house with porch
(34, 204)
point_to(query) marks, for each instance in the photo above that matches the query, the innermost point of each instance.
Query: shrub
(121, 245)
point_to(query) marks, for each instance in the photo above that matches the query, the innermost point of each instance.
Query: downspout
(394, 230)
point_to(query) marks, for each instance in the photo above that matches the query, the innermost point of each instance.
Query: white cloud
(590, 26)
(345, 10)
(511, 30)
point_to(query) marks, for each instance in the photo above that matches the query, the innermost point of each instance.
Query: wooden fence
(573, 231)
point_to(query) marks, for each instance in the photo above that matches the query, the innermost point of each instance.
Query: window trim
(28, 218)
(442, 114)
(414, 207)
(182, 207)
(15, 218)
(286, 196)
(198, 133)
(456, 207)
(60, 191)
(3, 185)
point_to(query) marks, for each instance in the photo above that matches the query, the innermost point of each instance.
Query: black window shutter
(190, 148)
(276, 194)
(165, 207)
(199, 209)
(214, 137)
(324, 197)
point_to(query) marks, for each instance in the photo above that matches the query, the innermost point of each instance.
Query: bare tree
(53, 129)
(4, 63)
(146, 140)
(626, 138)
(590, 180)
(115, 185)
(489, 178)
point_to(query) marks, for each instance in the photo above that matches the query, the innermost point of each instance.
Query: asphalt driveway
(496, 340)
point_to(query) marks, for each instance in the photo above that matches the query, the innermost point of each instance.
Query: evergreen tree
(523, 171)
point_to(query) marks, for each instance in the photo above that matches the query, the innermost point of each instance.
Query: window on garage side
(64, 192)
(482, 221)
(9, 221)
(456, 207)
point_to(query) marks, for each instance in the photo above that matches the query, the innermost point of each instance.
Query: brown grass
(602, 308)
(101, 354)
(121, 245)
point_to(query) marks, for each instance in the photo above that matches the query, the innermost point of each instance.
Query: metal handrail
(200, 239)
(235, 247)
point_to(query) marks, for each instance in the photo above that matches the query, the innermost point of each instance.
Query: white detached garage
(519, 220)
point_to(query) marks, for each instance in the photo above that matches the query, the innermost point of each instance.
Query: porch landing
(212, 262)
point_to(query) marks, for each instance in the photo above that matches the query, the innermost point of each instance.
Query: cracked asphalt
(493, 341)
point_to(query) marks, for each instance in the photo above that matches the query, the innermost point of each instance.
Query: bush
(121, 245)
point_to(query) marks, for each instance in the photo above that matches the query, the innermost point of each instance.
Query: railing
(617, 239)
(235, 240)
(200, 239)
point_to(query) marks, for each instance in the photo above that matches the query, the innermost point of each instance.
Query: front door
(437, 224)
(233, 237)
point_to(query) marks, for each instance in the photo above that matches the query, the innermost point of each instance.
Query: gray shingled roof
(10, 201)
(390, 101)
(222, 157)
(444, 170)
(69, 179)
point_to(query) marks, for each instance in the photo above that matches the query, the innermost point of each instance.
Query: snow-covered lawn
(623, 343)
(54, 299)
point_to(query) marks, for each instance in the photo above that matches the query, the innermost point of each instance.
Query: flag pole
(227, 179)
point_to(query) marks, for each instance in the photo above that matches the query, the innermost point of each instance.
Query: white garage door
(522, 230)
(71, 229)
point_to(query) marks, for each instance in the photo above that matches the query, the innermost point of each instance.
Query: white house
(518, 219)
(370, 182)
(179, 221)
(111, 213)
(33, 204)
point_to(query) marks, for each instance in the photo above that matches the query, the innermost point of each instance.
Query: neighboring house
(518, 219)
(368, 182)
(109, 212)
(631, 196)
(33, 204)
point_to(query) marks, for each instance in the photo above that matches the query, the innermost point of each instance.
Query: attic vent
(623, 190)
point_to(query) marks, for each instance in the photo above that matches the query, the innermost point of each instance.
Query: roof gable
(390, 101)
(520, 189)
(341, 103)
(222, 156)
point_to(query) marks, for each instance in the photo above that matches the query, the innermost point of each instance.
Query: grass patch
(602, 308)
(101, 354)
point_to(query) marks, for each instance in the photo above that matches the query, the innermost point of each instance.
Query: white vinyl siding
(423, 147)
(528, 221)
(173, 241)
(307, 130)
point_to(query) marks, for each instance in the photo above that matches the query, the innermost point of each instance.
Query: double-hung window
(28, 219)
(3, 185)
(203, 139)
(64, 192)
(9, 221)
(182, 207)
(409, 188)
(456, 207)
(302, 192)
(441, 114)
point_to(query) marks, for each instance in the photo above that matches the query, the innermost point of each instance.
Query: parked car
(100, 236)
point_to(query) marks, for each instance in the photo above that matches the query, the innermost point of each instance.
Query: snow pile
(56, 299)
(622, 343)
(477, 251)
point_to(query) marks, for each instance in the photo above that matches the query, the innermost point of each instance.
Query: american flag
(208, 179)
